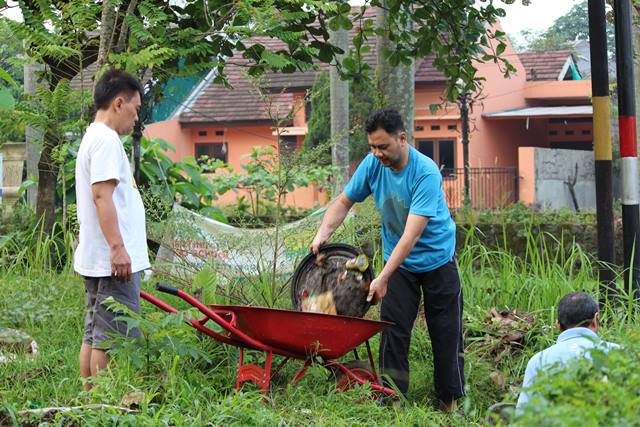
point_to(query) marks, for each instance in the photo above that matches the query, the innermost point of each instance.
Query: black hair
(388, 119)
(576, 309)
(113, 83)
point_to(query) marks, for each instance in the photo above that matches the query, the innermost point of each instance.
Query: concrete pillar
(13, 155)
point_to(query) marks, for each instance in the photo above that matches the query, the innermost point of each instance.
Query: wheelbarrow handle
(167, 289)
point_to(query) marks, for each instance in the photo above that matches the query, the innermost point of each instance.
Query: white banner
(190, 240)
(1, 178)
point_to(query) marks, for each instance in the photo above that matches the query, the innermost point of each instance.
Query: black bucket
(349, 287)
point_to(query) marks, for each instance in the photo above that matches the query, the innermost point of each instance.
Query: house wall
(443, 118)
(494, 143)
(299, 104)
(558, 89)
(527, 175)
(239, 141)
(172, 132)
(545, 173)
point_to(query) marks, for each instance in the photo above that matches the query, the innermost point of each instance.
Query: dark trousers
(443, 309)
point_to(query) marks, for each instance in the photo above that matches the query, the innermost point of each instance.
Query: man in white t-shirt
(112, 248)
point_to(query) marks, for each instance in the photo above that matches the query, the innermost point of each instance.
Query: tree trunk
(124, 28)
(107, 29)
(464, 115)
(33, 136)
(47, 178)
(396, 83)
(339, 92)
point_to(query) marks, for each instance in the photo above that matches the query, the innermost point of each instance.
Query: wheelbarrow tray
(287, 333)
(304, 333)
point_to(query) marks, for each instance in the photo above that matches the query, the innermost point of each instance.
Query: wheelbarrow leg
(302, 371)
(372, 363)
(258, 375)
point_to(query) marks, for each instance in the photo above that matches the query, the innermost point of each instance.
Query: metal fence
(489, 188)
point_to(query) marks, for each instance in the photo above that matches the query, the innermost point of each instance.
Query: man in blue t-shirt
(418, 237)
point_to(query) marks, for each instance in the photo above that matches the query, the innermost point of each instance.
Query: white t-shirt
(101, 157)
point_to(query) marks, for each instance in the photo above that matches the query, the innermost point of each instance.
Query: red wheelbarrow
(310, 337)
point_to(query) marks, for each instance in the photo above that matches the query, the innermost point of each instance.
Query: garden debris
(500, 413)
(13, 342)
(133, 400)
(323, 303)
(360, 263)
(498, 379)
(334, 281)
(48, 414)
(503, 331)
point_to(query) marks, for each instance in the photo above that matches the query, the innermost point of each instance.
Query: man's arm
(108, 217)
(332, 219)
(412, 230)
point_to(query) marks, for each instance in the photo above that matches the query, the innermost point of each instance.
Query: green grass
(187, 380)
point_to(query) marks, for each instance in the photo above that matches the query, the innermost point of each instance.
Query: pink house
(544, 104)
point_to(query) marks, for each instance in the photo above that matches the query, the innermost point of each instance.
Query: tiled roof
(426, 72)
(216, 103)
(544, 65)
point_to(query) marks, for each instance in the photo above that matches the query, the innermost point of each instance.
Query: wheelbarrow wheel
(359, 368)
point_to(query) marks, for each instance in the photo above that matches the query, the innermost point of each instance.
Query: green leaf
(349, 63)
(6, 99)
(325, 54)
(7, 77)
(500, 48)
(274, 60)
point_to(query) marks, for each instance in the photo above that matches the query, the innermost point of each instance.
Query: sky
(538, 16)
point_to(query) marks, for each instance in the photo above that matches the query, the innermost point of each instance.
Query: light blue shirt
(416, 189)
(571, 344)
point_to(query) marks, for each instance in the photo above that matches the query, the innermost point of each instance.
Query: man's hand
(377, 289)
(120, 263)
(336, 212)
(317, 242)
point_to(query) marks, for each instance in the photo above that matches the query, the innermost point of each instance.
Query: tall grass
(32, 251)
(183, 390)
(550, 268)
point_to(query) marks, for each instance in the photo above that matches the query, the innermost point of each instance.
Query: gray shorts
(99, 323)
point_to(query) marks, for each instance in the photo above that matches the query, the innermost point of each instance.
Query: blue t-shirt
(416, 189)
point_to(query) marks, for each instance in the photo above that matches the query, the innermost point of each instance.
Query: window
(572, 145)
(288, 144)
(452, 127)
(441, 151)
(202, 133)
(435, 127)
(307, 109)
(213, 150)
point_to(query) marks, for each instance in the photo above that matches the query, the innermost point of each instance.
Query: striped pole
(628, 147)
(602, 147)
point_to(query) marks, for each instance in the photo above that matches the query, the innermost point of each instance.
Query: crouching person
(578, 320)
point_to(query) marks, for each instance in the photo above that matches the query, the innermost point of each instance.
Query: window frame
(224, 149)
(436, 149)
